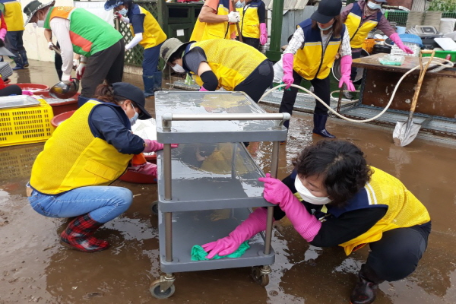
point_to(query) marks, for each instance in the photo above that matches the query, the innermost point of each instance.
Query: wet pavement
(34, 268)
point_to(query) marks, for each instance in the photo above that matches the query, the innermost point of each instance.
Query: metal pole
(276, 31)
(274, 170)
(168, 196)
(275, 159)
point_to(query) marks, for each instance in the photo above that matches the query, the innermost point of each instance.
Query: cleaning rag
(198, 253)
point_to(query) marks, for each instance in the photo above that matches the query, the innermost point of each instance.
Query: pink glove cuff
(152, 146)
(2, 33)
(203, 89)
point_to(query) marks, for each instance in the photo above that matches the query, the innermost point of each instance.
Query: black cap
(134, 94)
(327, 9)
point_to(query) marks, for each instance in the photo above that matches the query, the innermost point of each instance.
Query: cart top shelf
(214, 128)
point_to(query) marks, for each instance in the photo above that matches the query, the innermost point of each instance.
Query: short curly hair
(343, 167)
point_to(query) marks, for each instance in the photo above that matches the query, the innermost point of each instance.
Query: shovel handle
(420, 81)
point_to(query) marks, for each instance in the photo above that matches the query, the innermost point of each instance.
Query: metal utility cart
(208, 184)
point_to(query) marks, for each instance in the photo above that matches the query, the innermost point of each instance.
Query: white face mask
(178, 69)
(135, 117)
(373, 6)
(123, 12)
(239, 4)
(309, 197)
(40, 23)
(326, 28)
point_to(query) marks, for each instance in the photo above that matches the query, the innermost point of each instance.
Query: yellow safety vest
(404, 209)
(13, 16)
(250, 23)
(231, 61)
(223, 30)
(74, 158)
(356, 32)
(309, 61)
(153, 34)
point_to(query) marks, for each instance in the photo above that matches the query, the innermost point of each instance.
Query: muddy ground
(34, 268)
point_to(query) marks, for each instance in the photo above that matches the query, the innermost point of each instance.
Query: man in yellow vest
(344, 202)
(15, 24)
(361, 17)
(148, 33)
(216, 20)
(217, 63)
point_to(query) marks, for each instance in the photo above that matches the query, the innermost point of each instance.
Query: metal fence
(401, 17)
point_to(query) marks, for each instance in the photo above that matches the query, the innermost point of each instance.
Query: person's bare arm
(208, 15)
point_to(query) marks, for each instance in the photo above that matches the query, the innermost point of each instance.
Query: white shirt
(298, 39)
(61, 31)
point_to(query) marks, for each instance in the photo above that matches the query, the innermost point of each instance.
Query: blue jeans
(15, 44)
(150, 61)
(103, 203)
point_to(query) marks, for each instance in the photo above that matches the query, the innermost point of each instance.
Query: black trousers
(354, 70)
(321, 89)
(396, 255)
(10, 90)
(258, 81)
(105, 65)
(255, 42)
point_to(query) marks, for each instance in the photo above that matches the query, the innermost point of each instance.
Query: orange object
(138, 159)
(368, 45)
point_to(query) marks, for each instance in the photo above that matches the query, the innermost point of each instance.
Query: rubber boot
(366, 287)
(79, 235)
(158, 81)
(19, 62)
(148, 85)
(82, 100)
(24, 58)
(319, 125)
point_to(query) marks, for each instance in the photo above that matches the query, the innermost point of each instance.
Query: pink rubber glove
(25, 92)
(203, 89)
(396, 39)
(256, 222)
(345, 71)
(153, 146)
(146, 168)
(277, 193)
(2, 34)
(287, 61)
(263, 34)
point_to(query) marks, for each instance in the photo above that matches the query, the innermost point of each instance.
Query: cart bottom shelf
(201, 227)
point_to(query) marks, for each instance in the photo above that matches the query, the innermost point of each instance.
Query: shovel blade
(404, 133)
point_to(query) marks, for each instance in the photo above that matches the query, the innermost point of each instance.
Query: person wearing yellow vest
(310, 55)
(216, 20)
(361, 17)
(220, 63)
(85, 154)
(15, 23)
(334, 198)
(148, 33)
(77, 30)
(253, 22)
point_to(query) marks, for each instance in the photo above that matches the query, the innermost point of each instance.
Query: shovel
(405, 132)
(237, 23)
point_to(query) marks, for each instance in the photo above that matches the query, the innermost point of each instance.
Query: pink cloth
(287, 61)
(146, 168)
(25, 92)
(345, 70)
(263, 34)
(256, 222)
(396, 39)
(2, 34)
(277, 193)
(203, 89)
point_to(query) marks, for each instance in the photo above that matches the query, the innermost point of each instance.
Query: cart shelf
(200, 227)
(223, 180)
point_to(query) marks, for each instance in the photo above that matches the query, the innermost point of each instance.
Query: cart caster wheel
(154, 208)
(157, 293)
(258, 277)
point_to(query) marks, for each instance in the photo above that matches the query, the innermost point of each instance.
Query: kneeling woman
(86, 153)
(345, 202)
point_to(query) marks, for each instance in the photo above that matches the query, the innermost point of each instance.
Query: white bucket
(447, 25)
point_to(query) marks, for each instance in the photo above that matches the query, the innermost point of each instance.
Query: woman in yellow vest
(218, 63)
(361, 17)
(310, 55)
(85, 154)
(344, 202)
(216, 20)
(148, 33)
(253, 22)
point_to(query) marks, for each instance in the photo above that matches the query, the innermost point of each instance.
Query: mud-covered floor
(35, 268)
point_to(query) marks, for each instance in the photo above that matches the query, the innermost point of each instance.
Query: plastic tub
(57, 120)
(60, 105)
(32, 87)
(137, 178)
(443, 54)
